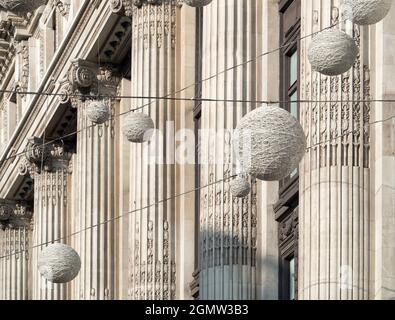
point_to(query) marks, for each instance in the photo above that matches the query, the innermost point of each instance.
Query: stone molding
(88, 81)
(15, 216)
(40, 157)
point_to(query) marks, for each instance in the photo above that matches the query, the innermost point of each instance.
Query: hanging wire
(168, 97)
(263, 102)
(184, 88)
(117, 217)
(175, 196)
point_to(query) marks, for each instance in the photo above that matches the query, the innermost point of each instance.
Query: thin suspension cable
(174, 197)
(195, 99)
(180, 90)
(112, 118)
(120, 216)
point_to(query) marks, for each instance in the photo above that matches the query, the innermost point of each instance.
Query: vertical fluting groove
(152, 266)
(336, 172)
(227, 250)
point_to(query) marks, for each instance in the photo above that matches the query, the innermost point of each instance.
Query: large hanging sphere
(197, 3)
(59, 263)
(332, 52)
(21, 6)
(366, 12)
(138, 127)
(270, 143)
(240, 187)
(98, 112)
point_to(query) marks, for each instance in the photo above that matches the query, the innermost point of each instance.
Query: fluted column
(94, 179)
(49, 167)
(15, 239)
(228, 226)
(335, 174)
(152, 268)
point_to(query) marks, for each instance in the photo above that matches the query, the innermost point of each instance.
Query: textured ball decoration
(197, 3)
(332, 52)
(98, 112)
(270, 143)
(366, 12)
(240, 187)
(138, 127)
(59, 263)
(21, 6)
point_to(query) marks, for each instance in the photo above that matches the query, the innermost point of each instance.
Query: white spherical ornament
(59, 263)
(240, 187)
(332, 52)
(138, 127)
(366, 12)
(270, 143)
(197, 3)
(98, 112)
(21, 6)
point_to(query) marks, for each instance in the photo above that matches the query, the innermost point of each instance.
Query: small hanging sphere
(138, 127)
(366, 12)
(270, 143)
(59, 263)
(98, 112)
(240, 187)
(332, 52)
(21, 6)
(197, 3)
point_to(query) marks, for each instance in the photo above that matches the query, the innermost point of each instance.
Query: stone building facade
(172, 230)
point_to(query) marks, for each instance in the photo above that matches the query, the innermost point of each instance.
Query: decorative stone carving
(5, 212)
(22, 50)
(21, 6)
(63, 6)
(126, 6)
(41, 155)
(15, 216)
(88, 81)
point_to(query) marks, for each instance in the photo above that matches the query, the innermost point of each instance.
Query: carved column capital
(126, 7)
(47, 157)
(15, 215)
(87, 79)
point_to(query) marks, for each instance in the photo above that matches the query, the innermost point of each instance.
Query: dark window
(289, 82)
(287, 207)
(198, 118)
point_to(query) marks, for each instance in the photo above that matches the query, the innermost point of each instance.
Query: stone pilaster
(49, 167)
(15, 239)
(228, 226)
(335, 175)
(94, 182)
(152, 268)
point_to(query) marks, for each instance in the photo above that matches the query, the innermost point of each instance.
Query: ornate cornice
(15, 216)
(13, 29)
